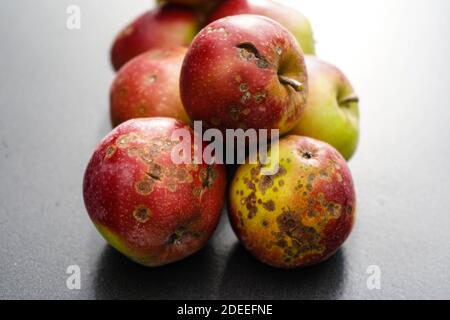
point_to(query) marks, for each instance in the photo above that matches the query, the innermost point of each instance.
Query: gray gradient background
(54, 109)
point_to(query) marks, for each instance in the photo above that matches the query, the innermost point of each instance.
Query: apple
(244, 71)
(187, 2)
(166, 26)
(290, 18)
(300, 215)
(147, 207)
(331, 113)
(148, 86)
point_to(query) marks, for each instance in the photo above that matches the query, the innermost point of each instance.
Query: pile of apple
(232, 64)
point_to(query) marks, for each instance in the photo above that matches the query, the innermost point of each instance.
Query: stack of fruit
(251, 66)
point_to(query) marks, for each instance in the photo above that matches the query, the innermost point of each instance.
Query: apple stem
(296, 85)
(348, 100)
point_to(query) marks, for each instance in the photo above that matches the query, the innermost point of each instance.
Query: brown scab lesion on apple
(246, 97)
(269, 205)
(181, 234)
(145, 186)
(248, 52)
(152, 79)
(303, 239)
(243, 87)
(110, 151)
(141, 214)
(208, 176)
(260, 97)
(155, 172)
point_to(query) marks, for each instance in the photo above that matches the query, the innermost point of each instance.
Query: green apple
(332, 112)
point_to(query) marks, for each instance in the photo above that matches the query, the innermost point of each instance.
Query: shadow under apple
(247, 278)
(192, 278)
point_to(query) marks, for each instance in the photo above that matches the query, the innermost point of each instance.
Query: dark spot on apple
(249, 184)
(181, 234)
(265, 223)
(255, 171)
(323, 174)
(246, 97)
(262, 63)
(269, 205)
(141, 214)
(110, 151)
(260, 96)
(172, 186)
(265, 183)
(208, 176)
(311, 178)
(250, 204)
(303, 238)
(248, 52)
(243, 87)
(182, 175)
(281, 243)
(145, 186)
(152, 79)
(155, 172)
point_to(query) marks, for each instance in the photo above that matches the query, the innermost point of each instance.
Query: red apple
(290, 18)
(148, 86)
(166, 26)
(147, 207)
(188, 2)
(302, 214)
(202, 7)
(244, 71)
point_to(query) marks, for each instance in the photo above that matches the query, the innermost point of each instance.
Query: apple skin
(244, 71)
(148, 86)
(332, 111)
(301, 215)
(148, 208)
(165, 26)
(288, 17)
(193, 3)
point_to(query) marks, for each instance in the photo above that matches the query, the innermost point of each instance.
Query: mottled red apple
(302, 214)
(244, 71)
(150, 209)
(148, 86)
(166, 26)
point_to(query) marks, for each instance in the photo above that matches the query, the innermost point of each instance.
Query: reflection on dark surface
(196, 278)
(247, 278)
(118, 278)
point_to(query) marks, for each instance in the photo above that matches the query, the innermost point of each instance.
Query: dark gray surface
(54, 109)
